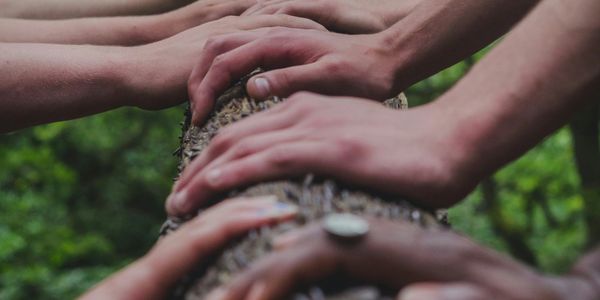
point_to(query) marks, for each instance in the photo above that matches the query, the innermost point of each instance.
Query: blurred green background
(80, 199)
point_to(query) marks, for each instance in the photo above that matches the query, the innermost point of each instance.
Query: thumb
(438, 291)
(287, 81)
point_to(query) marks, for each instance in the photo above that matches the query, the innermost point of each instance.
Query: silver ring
(345, 226)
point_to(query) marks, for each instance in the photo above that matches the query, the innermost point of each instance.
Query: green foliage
(80, 199)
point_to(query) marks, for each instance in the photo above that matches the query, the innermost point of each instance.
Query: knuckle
(281, 158)
(349, 147)
(221, 142)
(243, 148)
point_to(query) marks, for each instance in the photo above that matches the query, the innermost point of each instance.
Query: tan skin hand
(348, 16)
(152, 276)
(410, 153)
(425, 264)
(168, 63)
(296, 55)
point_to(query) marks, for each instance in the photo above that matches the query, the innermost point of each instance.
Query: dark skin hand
(422, 264)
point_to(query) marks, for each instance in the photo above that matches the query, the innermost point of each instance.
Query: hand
(324, 62)
(152, 276)
(425, 264)
(197, 13)
(415, 153)
(161, 70)
(348, 16)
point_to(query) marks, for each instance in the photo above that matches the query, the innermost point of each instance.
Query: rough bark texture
(316, 197)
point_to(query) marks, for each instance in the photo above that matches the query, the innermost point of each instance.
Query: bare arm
(528, 86)
(41, 83)
(434, 35)
(65, 9)
(129, 30)
(525, 88)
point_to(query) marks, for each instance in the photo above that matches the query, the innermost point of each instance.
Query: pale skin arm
(65, 9)
(41, 83)
(128, 30)
(526, 87)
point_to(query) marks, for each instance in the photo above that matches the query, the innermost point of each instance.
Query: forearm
(42, 83)
(64, 9)
(437, 34)
(95, 31)
(528, 86)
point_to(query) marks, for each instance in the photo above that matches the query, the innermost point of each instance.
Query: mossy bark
(315, 196)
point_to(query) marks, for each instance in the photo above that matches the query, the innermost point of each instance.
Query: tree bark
(315, 196)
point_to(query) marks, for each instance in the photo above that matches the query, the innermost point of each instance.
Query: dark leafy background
(81, 199)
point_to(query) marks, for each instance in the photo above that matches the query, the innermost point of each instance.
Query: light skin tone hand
(126, 31)
(434, 154)
(41, 83)
(425, 264)
(153, 276)
(348, 16)
(434, 35)
(67, 9)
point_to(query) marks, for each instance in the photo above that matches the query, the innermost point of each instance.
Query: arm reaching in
(435, 35)
(525, 88)
(425, 264)
(348, 16)
(125, 31)
(152, 276)
(66, 9)
(41, 83)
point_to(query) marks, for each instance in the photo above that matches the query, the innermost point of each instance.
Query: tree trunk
(316, 197)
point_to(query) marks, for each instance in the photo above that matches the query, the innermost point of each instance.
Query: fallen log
(316, 197)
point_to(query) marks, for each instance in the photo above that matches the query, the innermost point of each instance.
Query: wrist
(150, 81)
(571, 287)
(401, 53)
(393, 11)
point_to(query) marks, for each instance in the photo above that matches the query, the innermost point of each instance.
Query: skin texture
(65, 9)
(528, 86)
(41, 83)
(349, 16)
(384, 63)
(151, 276)
(401, 256)
(126, 31)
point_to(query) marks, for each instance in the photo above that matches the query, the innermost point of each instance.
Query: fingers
(284, 82)
(177, 254)
(439, 291)
(276, 275)
(279, 161)
(212, 229)
(259, 21)
(228, 67)
(230, 135)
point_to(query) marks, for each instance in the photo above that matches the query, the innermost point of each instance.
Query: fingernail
(218, 294)
(179, 200)
(257, 291)
(418, 294)
(457, 292)
(213, 176)
(278, 210)
(285, 240)
(262, 87)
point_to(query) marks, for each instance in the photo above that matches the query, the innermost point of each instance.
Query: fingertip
(259, 87)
